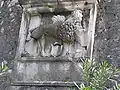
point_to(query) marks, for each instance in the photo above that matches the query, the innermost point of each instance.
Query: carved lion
(65, 30)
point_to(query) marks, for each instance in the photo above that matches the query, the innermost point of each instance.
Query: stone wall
(107, 37)
(10, 16)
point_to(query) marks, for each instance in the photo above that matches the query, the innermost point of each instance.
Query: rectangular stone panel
(31, 70)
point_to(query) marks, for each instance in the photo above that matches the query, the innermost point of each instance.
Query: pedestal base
(46, 85)
(45, 72)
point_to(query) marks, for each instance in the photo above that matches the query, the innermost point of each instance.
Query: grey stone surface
(44, 85)
(31, 70)
(10, 16)
(107, 38)
(44, 88)
(50, 1)
(5, 82)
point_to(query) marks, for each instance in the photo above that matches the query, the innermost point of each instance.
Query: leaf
(118, 86)
(82, 85)
(86, 88)
(4, 68)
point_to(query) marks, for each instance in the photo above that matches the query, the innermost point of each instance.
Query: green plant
(3, 66)
(118, 87)
(83, 87)
(96, 74)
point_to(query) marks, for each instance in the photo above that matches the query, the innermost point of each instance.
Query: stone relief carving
(47, 31)
(64, 36)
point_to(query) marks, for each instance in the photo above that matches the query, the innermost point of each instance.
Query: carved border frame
(27, 12)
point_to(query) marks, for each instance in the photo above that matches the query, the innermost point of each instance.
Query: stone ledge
(46, 83)
(46, 59)
(24, 2)
(64, 8)
(54, 6)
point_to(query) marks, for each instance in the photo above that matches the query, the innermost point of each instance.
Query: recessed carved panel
(51, 34)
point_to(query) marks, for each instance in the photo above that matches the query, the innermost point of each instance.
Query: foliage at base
(97, 74)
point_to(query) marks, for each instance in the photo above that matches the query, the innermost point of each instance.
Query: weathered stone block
(46, 69)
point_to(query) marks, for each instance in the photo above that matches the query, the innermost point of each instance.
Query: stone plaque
(48, 33)
(54, 35)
